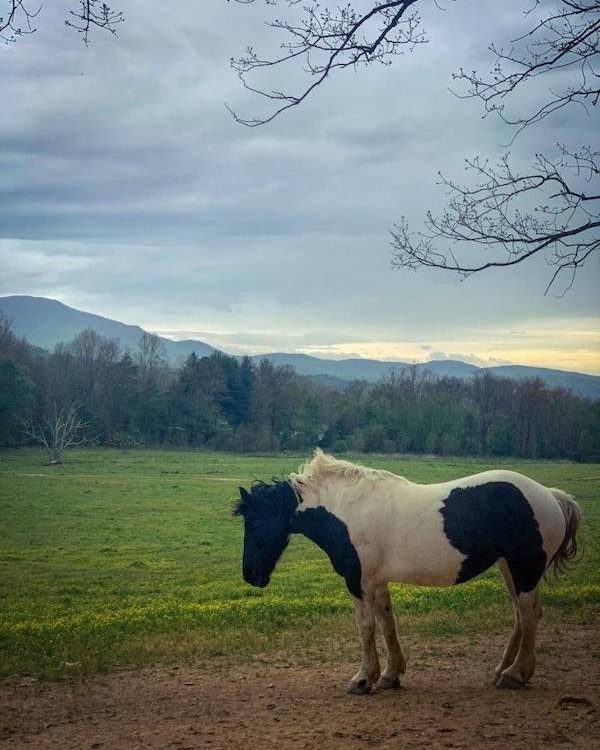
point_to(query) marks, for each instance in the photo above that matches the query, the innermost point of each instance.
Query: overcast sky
(127, 190)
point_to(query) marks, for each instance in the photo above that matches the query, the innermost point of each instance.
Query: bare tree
(11, 345)
(63, 429)
(150, 359)
(20, 16)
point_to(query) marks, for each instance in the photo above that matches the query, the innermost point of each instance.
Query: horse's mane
(323, 466)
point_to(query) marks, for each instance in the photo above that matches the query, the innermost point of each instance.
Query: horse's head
(268, 511)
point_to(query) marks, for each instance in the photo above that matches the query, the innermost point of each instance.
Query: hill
(45, 322)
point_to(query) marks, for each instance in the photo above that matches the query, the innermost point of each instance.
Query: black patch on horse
(490, 521)
(331, 535)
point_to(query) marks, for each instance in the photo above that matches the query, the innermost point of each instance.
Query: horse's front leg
(396, 664)
(368, 674)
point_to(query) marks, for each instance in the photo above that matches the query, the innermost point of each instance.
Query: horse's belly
(425, 578)
(431, 562)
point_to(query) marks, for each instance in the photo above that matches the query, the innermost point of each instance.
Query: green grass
(127, 558)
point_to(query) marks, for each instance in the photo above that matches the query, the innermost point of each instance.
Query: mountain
(585, 385)
(364, 369)
(328, 371)
(45, 322)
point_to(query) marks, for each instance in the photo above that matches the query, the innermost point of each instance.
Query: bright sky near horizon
(127, 190)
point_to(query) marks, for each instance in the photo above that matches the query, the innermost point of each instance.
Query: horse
(377, 527)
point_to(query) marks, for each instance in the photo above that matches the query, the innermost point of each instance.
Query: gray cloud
(127, 189)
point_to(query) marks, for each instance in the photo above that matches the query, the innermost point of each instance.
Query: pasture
(130, 558)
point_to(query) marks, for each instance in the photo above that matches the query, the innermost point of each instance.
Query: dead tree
(63, 429)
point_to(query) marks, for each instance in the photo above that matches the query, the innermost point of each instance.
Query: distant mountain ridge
(366, 369)
(45, 322)
(373, 370)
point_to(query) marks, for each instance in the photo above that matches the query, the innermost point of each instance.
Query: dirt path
(271, 703)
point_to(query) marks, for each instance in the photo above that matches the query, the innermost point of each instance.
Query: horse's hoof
(388, 683)
(360, 687)
(508, 682)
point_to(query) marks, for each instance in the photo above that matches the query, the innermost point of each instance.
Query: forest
(137, 398)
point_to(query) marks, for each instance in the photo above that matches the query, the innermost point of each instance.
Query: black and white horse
(377, 527)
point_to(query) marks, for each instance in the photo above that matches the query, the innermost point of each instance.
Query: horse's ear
(238, 509)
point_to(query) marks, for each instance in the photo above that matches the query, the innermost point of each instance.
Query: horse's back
(541, 500)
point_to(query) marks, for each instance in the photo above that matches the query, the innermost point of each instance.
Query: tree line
(136, 398)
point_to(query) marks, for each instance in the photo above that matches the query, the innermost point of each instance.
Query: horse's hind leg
(523, 666)
(396, 664)
(512, 646)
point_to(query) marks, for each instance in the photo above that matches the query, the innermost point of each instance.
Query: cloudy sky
(127, 190)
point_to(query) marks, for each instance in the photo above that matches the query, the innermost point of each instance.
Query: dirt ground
(447, 702)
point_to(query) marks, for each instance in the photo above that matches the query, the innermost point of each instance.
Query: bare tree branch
(20, 14)
(323, 40)
(93, 13)
(562, 42)
(496, 212)
(17, 20)
(552, 210)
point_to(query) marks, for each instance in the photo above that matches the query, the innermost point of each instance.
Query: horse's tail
(566, 555)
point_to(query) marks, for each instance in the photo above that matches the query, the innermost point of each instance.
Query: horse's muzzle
(254, 578)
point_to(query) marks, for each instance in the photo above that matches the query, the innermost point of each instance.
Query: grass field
(127, 558)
